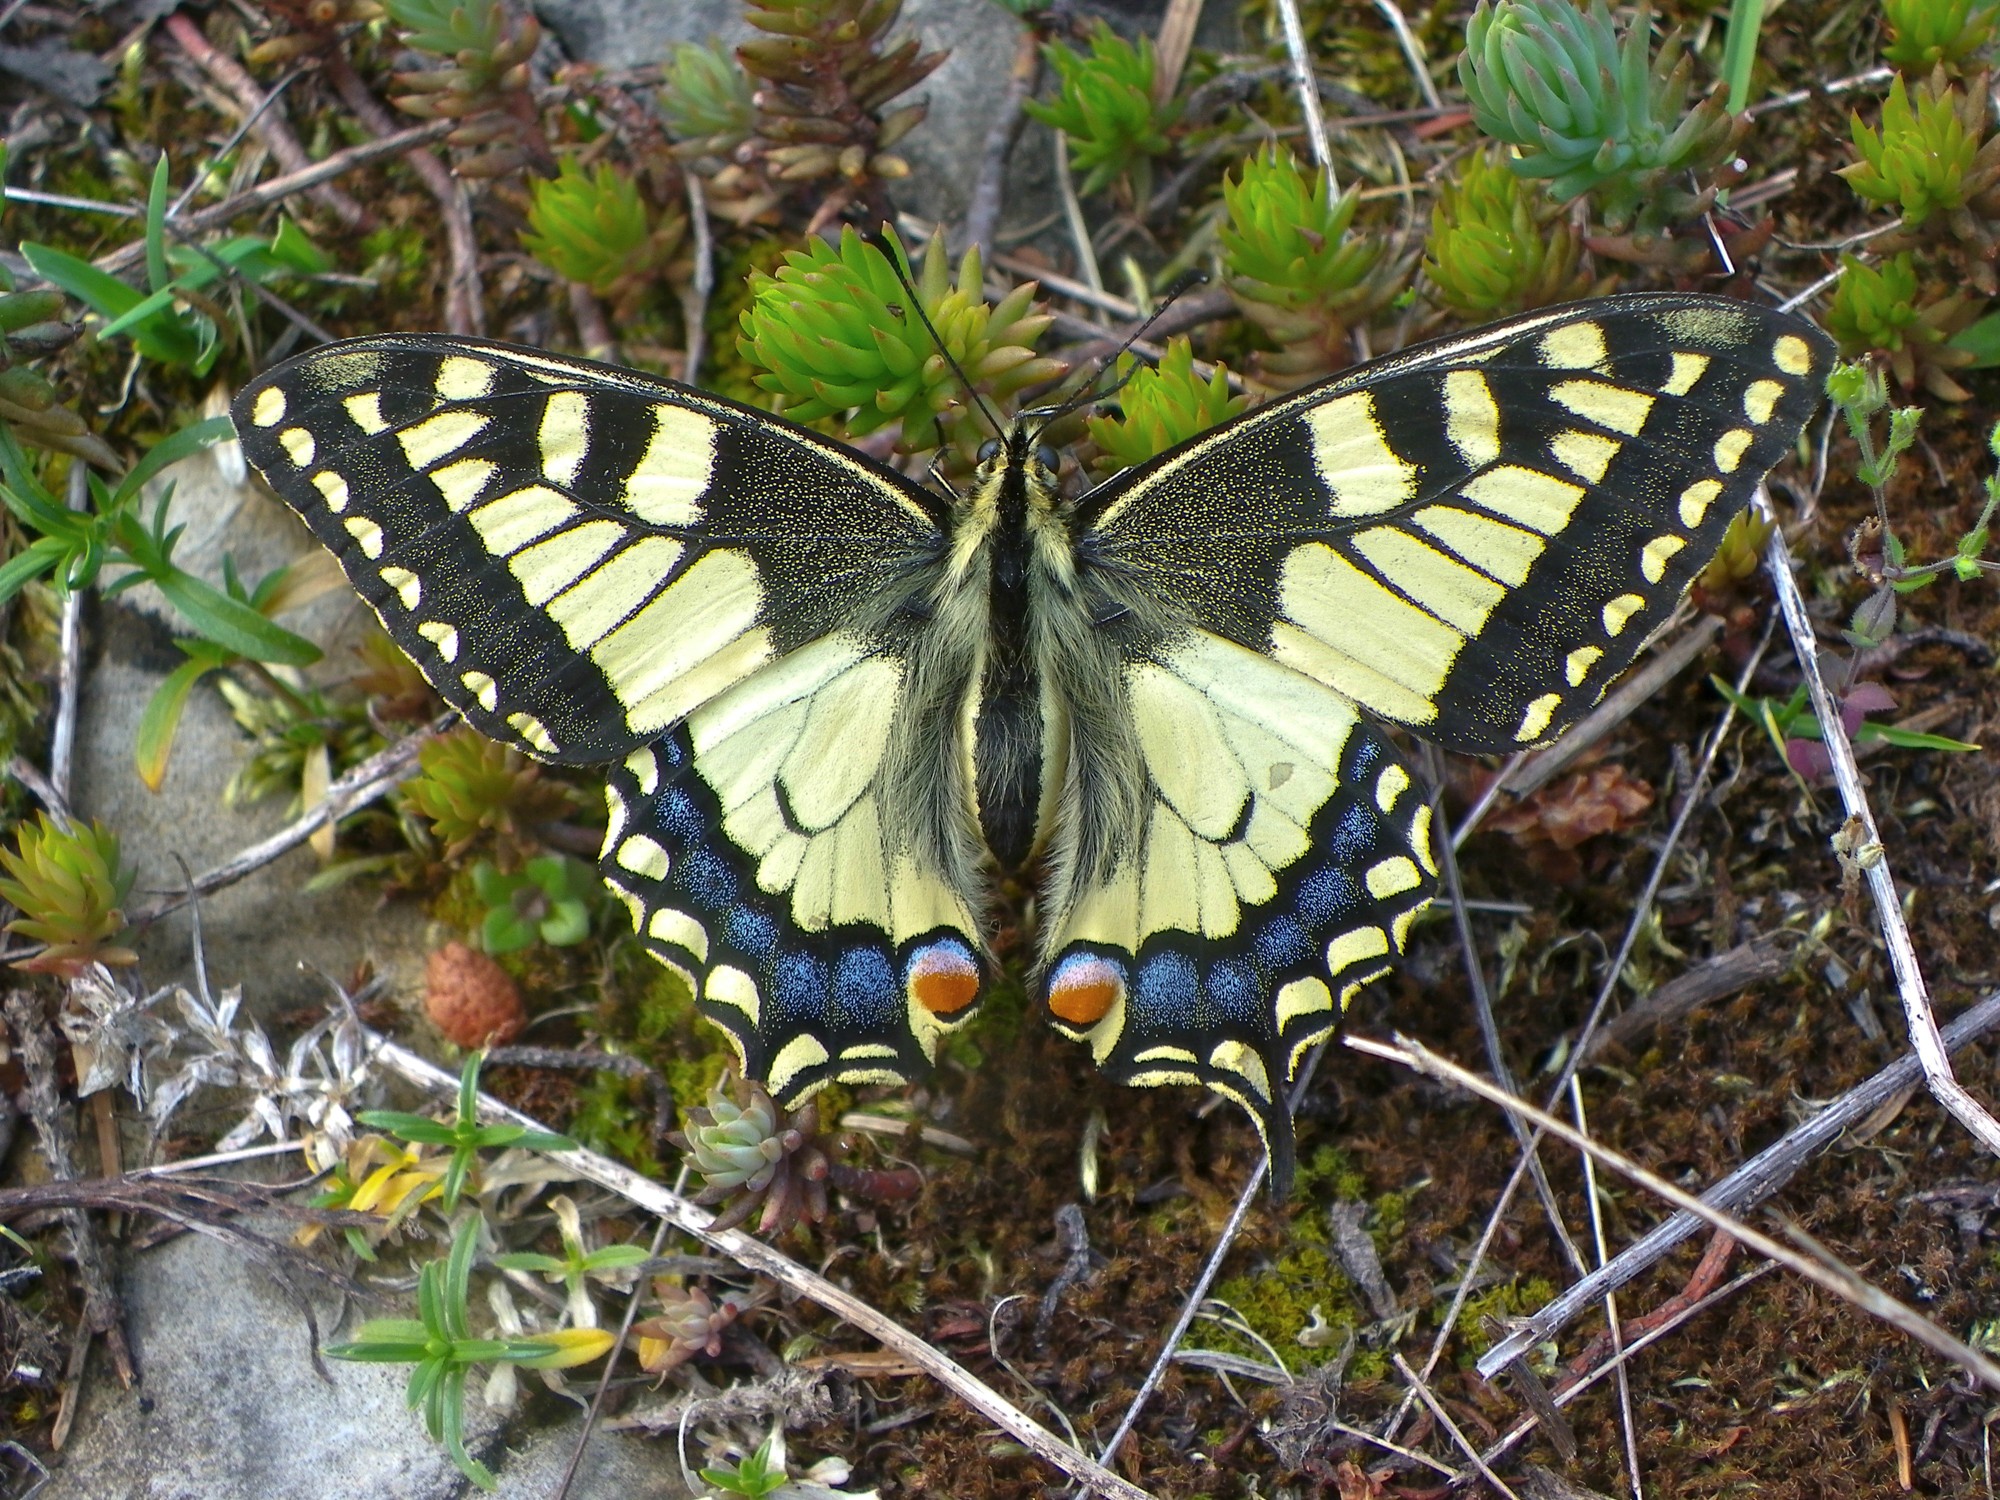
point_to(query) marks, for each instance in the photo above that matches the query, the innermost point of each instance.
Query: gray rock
(229, 1408)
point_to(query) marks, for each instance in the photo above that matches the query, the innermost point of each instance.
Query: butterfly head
(1021, 450)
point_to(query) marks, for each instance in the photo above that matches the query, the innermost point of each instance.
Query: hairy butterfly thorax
(835, 706)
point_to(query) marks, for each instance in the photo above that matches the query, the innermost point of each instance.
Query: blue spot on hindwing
(750, 931)
(865, 990)
(798, 984)
(1168, 989)
(1236, 991)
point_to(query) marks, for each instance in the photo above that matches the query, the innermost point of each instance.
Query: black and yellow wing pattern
(837, 706)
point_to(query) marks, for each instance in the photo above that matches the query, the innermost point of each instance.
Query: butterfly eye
(1048, 458)
(989, 450)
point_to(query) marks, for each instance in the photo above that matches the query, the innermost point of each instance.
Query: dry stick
(1750, 1184)
(1198, 1293)
(592, 331)
(982, 209)
(465, 301)
(1171, 45)
(269, 123)
(1874, 862)
(700, 286)
(1590, 1197)
(371, 779)
(102, 1314)
(1625, 1356)
(1079, 232)
(755, 1255)
(1443, 1418)
(69, 662)
(1307, 88)
(279, 188)
(1827, 1274)
(1413, 51)
(1632, 930)
(29, 775)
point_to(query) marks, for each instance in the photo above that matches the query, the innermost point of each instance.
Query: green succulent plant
(547, 899)
(1876, 309)
(1591, 111)
(469, 787)
(745, 1148)
(825, 72)
(1105, 106)
(707, 103)
(834, 338)
(595, 228)
(484, 85)
(1927, 34)
(688, 1323)
(67, 883)
(1498, 246)
(1932, 159)
(1294, 269)
(1162, 405)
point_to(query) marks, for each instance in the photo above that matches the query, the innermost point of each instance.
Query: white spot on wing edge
(483, 688)
(802, 1053)
(365, 411)
(442, 636)
(1618, 613)
(268, 410)
(1696, 499)
(1730, 448)
(1535, 721)
(1356, 946)
(730, 986)
(644, 856)
(1657, 554)
(367, 535)
(332, 489)
(409, 588)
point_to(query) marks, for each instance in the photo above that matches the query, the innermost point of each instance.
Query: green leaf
(1981, 340)
(232, 623)
(98, 290)
(171, 450)
(154, 742)
(38, 558)
(1908, 739)
(158, 276)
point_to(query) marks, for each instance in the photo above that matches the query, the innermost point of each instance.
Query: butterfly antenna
(893, 253)
(1186, 282)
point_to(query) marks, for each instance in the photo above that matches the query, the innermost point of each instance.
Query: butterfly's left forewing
(1475, 537)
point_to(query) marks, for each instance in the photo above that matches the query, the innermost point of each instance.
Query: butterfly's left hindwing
(577, 556)
(1283, 855)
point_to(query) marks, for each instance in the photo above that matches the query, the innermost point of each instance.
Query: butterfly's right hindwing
(760, 862)
(576, 556)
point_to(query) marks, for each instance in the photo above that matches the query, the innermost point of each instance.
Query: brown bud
(470, 998)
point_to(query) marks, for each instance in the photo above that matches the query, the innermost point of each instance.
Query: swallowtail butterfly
(838, 705)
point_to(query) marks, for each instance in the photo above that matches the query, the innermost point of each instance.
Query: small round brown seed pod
(470, 998)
